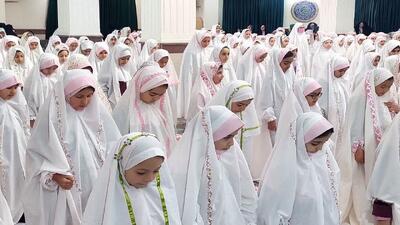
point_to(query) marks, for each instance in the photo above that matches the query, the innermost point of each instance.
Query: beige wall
(26, 14)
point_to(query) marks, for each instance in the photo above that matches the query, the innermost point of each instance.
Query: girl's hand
(359, 155)
(64, 181)
(272, 125)
(393, 107)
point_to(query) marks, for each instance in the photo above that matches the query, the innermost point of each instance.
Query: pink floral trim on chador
(370, 103)
(357, 144)
(207, 80)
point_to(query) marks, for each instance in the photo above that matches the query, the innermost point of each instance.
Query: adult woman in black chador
(363, 28)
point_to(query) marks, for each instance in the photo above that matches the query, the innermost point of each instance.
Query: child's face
(163, 61)
(9, 93)
(316, 144)
(19, 57)
(154, 94)
(205, 42)
(235, 45)
(49, 71)
(10, 44)
(86, 52)
(285, 64)
(384, 87)
(360, 41)
(271, 41)
(226, 142)
(285, 42)
(102, 55)
(313, 97)
(395, 51)
(261, 58)
(124, 60)
(56, 43)
(224, 55)
(33, 45)
(247, 34)
(340, 73)
(63, 56)
(143, 173)
(218, 76)
(155, 48)
(240, 106)
(382, 42)
(128, 42)
(82, 99)
(376, 61)
(341, 43)
(113, 41)
(327, 44)
(73, 46)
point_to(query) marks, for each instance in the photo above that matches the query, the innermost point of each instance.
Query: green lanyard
(242, 132)
(129, 201)
(126, 195)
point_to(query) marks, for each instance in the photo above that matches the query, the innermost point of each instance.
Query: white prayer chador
(94, 59)
(53, 41)
(14, 134)
(303, 55)
(298, 187)
(392, 63)
(132, 114)
(33, 55)
(367, 119)
(204, 88)
(340, 50)
(213, 186)
(21, 70)
(388, 48)
(252, 71)
(365, 65)
(193, 58)
(173, 80)
(70, 41)
(38, 86)
(303, 87)
(4, 48)
(107, 203)
(136, 46)
(229, 71)
(237, 91)
(111, 74)
(68, 142)
(385, 181)
(148, 48)
(321, 59)
(355, 46)
(5, 214)
(235, 51)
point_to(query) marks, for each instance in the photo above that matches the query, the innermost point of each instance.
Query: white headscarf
(107, 203)
(35, 54)
(132, 114)
(213, 187)
(303, 87)
(93, 57)
(229, 71)
(125, 31)
(38, 86)
(68, 142)
(392, 63)
(193, 58)
(21, 70)
(108, 41)
(235, 52)
(52, 42)
(204, 88)
(71, 40)
(303, 55)
(355, 47)
(340, 50)
(85, 45)
(384, 182)
(321, 59)
(275, 87)
(112, 73)
(14, 134)
(366, 64)
(169, 68)
(251, 71)
(136, 46)
(237, 91)
(146, 51)
(3, 51)
(388, 47)
(297, 184)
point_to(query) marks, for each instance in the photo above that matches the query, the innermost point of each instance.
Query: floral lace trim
(208, 83)
(357, 144)
(209, 172)
(332, 182)
(370, 102)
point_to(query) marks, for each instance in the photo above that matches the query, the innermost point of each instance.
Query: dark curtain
(380, 15)
(116, 14)
(52, 18)
(238, 14)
